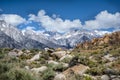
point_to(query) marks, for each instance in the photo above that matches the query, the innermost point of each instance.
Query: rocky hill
(98, 59)
(109, 40)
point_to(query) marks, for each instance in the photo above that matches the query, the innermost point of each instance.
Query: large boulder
(66, 57)
(109, 57)
(59, 54)
(60, 77)
(53, 62)
(40, 69)
(49, 50)
(65, 65)
(13, 54)
(20, 52)
(35, 57)
(105, 77)
(77, 69)
(27, 67)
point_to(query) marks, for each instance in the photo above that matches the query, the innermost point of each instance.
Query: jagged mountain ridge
(13, 36)
(31, 39)
(73, 37)
(8, 42)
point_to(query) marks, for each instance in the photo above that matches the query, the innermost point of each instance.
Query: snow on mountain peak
(50, 38)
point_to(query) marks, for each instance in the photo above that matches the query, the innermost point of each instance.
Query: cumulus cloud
(56, 23)
(12, 19)
(31, 30)
(104, 20)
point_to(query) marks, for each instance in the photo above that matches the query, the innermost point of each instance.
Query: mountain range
(12, 37)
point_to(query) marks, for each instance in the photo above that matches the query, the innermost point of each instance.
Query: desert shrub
(4, 67)
(115, 53)
(34, 50)
(95, 52)
(48, 74)
(87, 78)
(59, 67)
(80, 60)
(66, 60)
(23, 50)
(74, 76)
(105, 45)
(42, 61)
(2, 55)
(96, 70)
(24, 56)
(17, 74)
(45, 55)
(3, 52)
(34, 64)
(73, 61)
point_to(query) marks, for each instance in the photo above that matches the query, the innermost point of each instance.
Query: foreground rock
(77, 69)
(105, 77)
(60, 77)
(49, 50)
(13, 54)
(59, 54)
(35, 57)
(40, 69)
(109, 57)
(66, 57)
(53, 62)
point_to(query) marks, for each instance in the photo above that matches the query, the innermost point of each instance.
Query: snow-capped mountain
(74, 37)
(10, 35)
(40, 37)
(29, 38)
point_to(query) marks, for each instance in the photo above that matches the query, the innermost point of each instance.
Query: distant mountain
(42, 38)
(30, 39)
(13, 38)
(8, 42)
(72, 38)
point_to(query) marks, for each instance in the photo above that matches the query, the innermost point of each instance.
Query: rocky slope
(109, 40)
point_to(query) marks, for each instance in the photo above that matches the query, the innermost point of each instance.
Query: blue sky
(83, 10)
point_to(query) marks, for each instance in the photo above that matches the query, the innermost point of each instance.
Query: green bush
(87, 78)
(4, 68)
(66, 60)
(48, 74)
(34, 50)
(73, 76)
(59, 67)
(96, 70)
(17, 74)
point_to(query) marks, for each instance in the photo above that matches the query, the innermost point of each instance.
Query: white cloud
(12, 19)
(31, 30)
(56, 23)
(104, 20)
